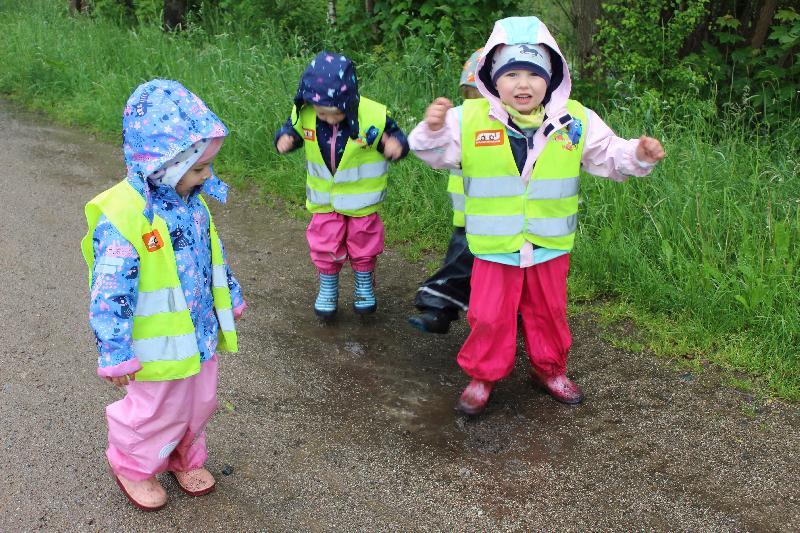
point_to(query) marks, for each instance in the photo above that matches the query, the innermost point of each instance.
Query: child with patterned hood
(348, 140)
(521, 149)
(163, 301)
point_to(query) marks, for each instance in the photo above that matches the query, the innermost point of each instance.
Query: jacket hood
(330, 81)
(162, 118)
(526, 30)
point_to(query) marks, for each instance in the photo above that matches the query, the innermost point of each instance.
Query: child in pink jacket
(520, 150)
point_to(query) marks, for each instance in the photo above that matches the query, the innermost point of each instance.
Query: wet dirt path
(351, 426)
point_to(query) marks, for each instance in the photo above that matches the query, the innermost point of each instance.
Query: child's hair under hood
(330, 81)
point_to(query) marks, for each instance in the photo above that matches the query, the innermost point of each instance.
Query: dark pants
(447, 290)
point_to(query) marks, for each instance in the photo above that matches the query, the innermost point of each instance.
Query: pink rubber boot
(475, 397)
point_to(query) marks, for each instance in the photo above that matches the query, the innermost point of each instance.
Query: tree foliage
(740, 52)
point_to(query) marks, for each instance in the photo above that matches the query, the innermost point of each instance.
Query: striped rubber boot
(364, 296)
(328, 296)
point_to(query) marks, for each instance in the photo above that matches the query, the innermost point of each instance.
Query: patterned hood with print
(162, 118)
(330, 80)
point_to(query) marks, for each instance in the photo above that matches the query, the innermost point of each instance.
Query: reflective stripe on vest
(501, 211)
(169, 348)
(359, 185)
(495, 225)
(365, 171)
(167, 300)
(498, 187)
(355, 202)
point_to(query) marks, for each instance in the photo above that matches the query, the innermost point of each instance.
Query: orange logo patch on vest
(309, 135)
(488, 138)
(153, 241)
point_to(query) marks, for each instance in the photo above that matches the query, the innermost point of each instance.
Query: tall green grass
(702, 254)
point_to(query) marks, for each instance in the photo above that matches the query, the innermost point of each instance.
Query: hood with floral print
(162, 119)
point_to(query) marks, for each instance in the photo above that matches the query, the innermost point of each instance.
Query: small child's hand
(284, 143)
(392, 149)
(435, 114)
(121, 381)
(649, 150)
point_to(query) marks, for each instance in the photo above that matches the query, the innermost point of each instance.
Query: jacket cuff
(131, 366)
(423, 138)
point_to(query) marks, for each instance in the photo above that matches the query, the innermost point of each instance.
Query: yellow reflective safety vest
(164, 338)
(455, 187)
(359, 185)
(500, 211)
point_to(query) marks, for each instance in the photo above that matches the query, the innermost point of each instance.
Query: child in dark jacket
(348, 140)
(441, 296)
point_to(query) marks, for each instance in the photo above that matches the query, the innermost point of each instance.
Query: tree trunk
(369, 7)
(174, 13)
(584, 14)
(76, 7)
(763, 24)
(332, 12)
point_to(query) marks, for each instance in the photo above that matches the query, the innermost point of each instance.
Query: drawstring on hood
(161, 120)
(330, 81)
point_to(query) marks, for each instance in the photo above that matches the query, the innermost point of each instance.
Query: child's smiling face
(331, 115)
(521, 89)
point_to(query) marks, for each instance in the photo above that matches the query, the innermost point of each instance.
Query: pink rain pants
(539, 293)
(333, 238)
(159, 425)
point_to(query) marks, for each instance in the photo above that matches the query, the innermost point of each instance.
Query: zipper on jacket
(334, 134)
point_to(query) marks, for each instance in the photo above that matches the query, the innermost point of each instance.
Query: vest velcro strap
(553, 227)
(495, 225)
(459, 201)
(319, 171)
(497, 187)
(219, 276)
(317, 197)
(170, 348)
(226, 321)
(365, 171)
(552, 189)
(167, 300)
(351, 202)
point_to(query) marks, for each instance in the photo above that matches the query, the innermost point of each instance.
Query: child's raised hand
(649, 150)
(121, 381)
(392, 149)
(434, 115)
(284, 143)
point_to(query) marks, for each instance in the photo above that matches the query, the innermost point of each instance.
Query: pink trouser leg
(544, 316)
(159, 425)
(333, 238)
(365, 237)
(326, 235)
(488, 353)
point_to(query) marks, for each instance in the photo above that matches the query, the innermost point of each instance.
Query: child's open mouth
(523, 98)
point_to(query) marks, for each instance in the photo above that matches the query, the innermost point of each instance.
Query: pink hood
(527, 30)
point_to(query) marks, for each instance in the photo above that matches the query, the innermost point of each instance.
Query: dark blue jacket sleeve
(393, 130)
(288, 129)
